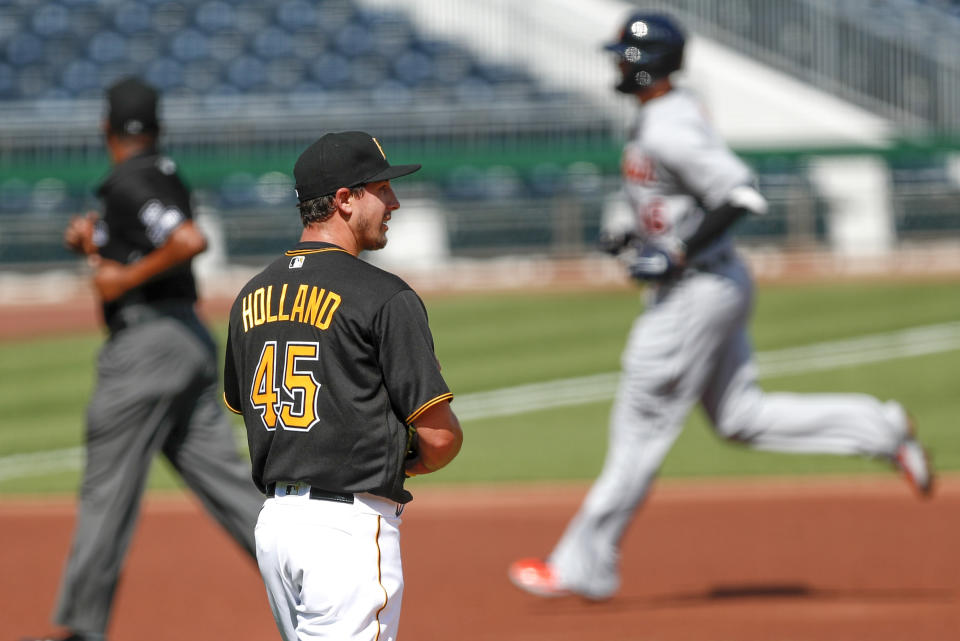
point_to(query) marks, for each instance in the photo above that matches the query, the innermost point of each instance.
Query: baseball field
(733, 544)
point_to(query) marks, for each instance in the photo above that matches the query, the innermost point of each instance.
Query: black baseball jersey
(144, 201)
(328, 359)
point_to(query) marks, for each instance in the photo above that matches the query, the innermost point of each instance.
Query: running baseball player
(331, 362)
(157, 374)
(686, 189)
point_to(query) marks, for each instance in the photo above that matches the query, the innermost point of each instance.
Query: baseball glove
(413, 448)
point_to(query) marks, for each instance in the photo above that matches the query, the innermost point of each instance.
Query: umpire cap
(345, 159)
(132, 107)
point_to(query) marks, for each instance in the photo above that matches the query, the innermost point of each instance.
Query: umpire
(157, 375)
(331, 362)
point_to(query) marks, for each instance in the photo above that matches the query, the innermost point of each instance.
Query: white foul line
(510, 401)
(567, 392)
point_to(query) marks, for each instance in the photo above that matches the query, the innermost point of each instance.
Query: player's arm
(231, 384)
(439, 439)
(112, 279)
(741, 201)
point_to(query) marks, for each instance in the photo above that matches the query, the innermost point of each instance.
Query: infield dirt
(746, 560)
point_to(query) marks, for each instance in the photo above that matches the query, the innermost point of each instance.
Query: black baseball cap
(132, 107)
(344, 159)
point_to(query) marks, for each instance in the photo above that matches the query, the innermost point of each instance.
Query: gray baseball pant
(157, 390)
(692, 345)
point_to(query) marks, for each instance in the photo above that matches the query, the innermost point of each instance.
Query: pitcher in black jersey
(331, 362)
(157, 386)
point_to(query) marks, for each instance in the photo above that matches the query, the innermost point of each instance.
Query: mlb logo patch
(296, 262)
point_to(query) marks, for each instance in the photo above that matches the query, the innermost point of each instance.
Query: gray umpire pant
(157, 390)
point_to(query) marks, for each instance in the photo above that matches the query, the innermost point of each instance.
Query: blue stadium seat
(451, 64)
(81, 77)
(413, 68)
(247, 73)
(354, 39)
(273, 43)
(307, 46)
(331, 70)
(367, 72)
(216, 16)
(189, 45)
(296, 15)
(107, 46)
(169, 17)
(546, 179)
(132, 17)
(227, 46)
(165, 74)
(51, 19)
(24, 49)
(252, 18)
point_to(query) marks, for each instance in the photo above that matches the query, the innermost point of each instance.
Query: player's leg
(203, 448)
(802, 423)
(665, 365)
(332, 570)
(585, 559)
(127, 418)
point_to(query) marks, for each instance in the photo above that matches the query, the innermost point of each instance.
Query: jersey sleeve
(149, 216)
(231, 381)
(411, 372)
(703, 164)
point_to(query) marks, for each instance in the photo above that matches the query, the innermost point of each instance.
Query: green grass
(490, 341)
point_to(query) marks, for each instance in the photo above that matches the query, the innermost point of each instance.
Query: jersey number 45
(291, 401)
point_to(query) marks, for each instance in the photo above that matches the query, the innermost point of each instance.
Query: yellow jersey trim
(304, 252)
(423, 408)
(386, 596)
(227, 403)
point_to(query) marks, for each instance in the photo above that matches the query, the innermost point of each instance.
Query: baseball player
(157, 374)
(331, 362)
(686, 189)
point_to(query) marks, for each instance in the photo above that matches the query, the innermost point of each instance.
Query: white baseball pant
(332, 570)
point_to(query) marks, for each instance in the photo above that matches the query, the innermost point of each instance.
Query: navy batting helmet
(651, 45)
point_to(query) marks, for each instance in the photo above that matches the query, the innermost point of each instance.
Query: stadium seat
(107, 46)
(80, 77)
(247, 73)
(50, 20)
(215, 16)
(132, 17)
(165, 74)
(189, 45)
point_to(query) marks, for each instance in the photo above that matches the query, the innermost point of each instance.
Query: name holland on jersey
(311, 305)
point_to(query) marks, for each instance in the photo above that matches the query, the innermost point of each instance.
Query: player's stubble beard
(373, 232)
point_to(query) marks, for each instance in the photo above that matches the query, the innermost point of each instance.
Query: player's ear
(342, 199)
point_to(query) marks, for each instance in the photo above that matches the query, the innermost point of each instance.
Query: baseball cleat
(536, 577)
(914, 463)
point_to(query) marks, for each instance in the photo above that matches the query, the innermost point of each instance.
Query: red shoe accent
(536, 577)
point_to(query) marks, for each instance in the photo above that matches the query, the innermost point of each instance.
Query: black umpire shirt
(328, 359)
(144, 201)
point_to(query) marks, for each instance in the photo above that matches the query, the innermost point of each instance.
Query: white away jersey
(676, 167)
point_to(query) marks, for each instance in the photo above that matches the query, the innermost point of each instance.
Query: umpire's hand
(78, 236)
